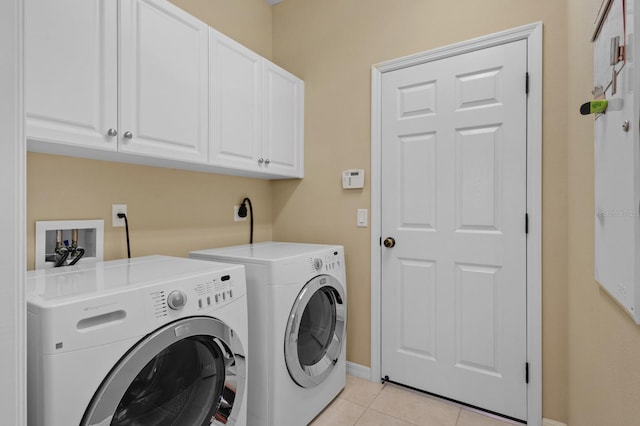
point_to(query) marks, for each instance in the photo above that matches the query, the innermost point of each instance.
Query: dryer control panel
(328, 262)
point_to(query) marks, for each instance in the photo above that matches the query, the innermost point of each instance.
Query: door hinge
(526, 223)
(526, 83)
(526, 372)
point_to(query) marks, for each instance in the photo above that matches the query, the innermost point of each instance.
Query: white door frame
(13, 367)
(533, 34)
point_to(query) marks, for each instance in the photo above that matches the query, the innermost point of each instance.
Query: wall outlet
(235, 215)
(116, 222)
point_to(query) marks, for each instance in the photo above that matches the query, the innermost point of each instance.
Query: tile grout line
(360, 416)
(459, 414)
(367, 407)
(397, 418)
(384, 386)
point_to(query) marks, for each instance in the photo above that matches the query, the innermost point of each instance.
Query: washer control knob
(317, 264)
(176, 299)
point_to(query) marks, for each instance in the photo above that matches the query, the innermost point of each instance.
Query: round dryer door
(189, 372)
(315, 332)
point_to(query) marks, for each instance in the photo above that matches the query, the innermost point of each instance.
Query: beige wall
(246, 21)
(604, 342)
(332, 44)
(170, 211)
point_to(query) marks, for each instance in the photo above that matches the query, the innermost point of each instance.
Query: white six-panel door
(454, 200)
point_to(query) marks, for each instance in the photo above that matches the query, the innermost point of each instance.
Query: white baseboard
(549, 422)
(359, 371)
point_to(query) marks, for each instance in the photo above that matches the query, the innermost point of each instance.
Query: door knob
(389, 242)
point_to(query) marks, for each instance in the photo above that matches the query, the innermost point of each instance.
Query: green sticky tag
(599, 106)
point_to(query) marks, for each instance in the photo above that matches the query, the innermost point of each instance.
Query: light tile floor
(364, 403)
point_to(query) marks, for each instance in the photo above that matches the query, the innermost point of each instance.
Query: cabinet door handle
(267, 161)
(128, 135)
(112, 132)
(260, 160)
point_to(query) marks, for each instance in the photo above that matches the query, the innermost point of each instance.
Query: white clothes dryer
(146, 341)
(297, 299)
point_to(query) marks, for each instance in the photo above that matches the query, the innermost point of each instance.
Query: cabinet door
(71, 72)
(284, 116)
(163, 81)
(235, 104)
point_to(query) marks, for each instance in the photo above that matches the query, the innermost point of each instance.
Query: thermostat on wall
(353, 179)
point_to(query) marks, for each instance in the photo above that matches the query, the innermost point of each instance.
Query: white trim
(376, 224)
(533, 34)
(534, 239)
(549, 422)
(359, 371)
(12, 222)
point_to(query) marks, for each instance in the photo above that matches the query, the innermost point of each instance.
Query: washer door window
(315, 332)
(187, 373)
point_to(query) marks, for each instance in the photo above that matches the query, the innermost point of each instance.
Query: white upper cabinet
(235, 104)
(143, 81)
(256, 111)
(283, 146)
(71, 60)
(164, 75)
(154, 103)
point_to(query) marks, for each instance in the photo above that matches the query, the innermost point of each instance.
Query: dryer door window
(187, 373)
(314, 338)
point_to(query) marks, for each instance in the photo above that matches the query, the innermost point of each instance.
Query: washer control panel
(194, 295)
(215, 292)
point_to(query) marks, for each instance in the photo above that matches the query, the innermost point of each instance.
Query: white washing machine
(297, 298)
(147, 341)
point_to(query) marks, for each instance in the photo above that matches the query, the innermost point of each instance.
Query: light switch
(362, 218)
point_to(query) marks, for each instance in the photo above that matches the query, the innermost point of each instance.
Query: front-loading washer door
(315, 333)
(190, 372)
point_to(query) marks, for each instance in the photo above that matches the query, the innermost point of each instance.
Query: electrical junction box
(353, 179)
